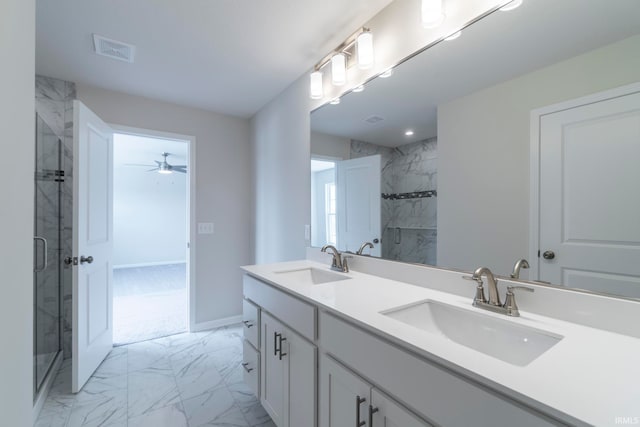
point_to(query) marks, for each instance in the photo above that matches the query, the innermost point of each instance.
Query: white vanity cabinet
(347, 400)
(288, 375)
(288, 356)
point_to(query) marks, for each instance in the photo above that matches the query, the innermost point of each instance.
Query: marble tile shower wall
(409, 226)
(54, 103)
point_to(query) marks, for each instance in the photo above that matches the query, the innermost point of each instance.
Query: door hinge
(71, 260)
(538, 253)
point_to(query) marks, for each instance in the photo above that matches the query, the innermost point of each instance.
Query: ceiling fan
(164, 167)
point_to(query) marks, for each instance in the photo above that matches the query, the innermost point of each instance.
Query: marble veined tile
(114, 365)
(151, 389)
(215, 409)
(108, 408)
(169, 416)
(256, 415)
(196, 376)
(145, 355)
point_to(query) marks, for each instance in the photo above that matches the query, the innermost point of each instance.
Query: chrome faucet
(509, 308)
(364, 245)
(338, 263)
(520, 264)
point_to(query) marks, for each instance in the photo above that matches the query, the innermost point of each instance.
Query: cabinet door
(384, 412)
(344, 397)
(301, 357)
(272, 374)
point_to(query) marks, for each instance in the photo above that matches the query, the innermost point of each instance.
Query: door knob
(548, 255)
(376, 240)
(84, 259)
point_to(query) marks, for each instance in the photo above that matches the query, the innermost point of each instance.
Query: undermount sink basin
(502, 339)
(311, 276)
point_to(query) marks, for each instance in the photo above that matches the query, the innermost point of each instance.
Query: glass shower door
(46, 255)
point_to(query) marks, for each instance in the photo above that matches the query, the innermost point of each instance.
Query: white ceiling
(502, 46)
(228, 56)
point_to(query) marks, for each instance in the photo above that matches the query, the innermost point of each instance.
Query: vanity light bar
(360, 43)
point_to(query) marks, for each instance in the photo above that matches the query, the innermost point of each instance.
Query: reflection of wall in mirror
(409, 225)
(484, 143)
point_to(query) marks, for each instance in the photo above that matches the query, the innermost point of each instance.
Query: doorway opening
(151, 211)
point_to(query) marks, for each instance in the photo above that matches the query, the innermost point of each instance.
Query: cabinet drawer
(251, 365)
(434, 392)
(251, 323)
(297, 314)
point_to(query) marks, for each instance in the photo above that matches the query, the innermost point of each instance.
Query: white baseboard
(212, 324)
(149, 264)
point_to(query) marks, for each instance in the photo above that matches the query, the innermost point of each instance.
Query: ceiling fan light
(432, 13)
(338, 69)
(365, 50)
(165, 171)
(316, 90)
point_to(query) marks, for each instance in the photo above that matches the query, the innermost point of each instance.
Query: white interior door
(92, 243)
(358, 203)
(589, 234)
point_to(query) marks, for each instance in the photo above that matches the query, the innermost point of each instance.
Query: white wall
(149, 217)
(223, 188)
(483, 155)
(17, 118)
(330, 146)
(282, 180)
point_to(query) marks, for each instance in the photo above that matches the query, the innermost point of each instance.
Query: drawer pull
(245, 365)
(247, 323)
(372, 411)
(275, 343)
(359, 401)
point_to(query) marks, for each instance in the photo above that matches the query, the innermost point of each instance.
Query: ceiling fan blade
(154, 169)
(159, 163)
(179, 166)
(181, 169)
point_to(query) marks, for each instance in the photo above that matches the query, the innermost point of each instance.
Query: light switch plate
(205, 228)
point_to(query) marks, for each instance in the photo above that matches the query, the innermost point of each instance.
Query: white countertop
(591, 374)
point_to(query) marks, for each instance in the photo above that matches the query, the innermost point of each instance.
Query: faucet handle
(345, 264)
(510, 300)
(479, 289)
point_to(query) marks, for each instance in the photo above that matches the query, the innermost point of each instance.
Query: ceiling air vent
(373, 119)
(113, 48)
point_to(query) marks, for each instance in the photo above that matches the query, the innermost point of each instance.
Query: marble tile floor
(184, 380)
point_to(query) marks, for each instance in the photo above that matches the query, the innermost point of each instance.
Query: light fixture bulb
(335, 101)
(338, 69)
(387, 73)
(432, 13)
(358, 89)
(365, 50)
(164, 171)
(409, 133)
(453, 36)
(510, 6)
(316, 91)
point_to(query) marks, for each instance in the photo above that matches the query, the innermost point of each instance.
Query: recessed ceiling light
(510, 6)
(387, 73)
(358, 89)
(453, 36)
(409, 133)
(335, 101)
